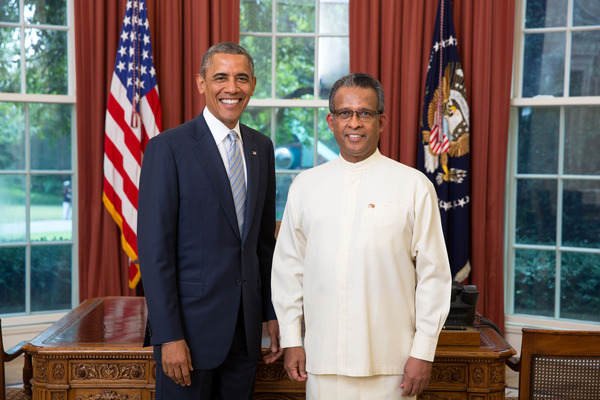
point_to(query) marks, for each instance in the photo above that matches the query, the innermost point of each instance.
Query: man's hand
(274, 351)
(294, 361)
(176, 361)
(416, 376)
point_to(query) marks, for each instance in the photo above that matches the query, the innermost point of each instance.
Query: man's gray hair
(362, 80)
(224, 48)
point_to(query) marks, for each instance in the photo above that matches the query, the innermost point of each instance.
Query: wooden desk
(95, 353)
(468, 365)
(464, 370)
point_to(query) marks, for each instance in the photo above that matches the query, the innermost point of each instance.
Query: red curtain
(181, 31)
(391, 40)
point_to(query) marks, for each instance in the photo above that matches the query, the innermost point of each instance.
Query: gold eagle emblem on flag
(454, 123)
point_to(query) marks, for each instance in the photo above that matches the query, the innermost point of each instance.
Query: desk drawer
(449, 376)
(442, 396)
(108, 393)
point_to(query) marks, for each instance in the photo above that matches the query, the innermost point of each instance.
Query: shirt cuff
(291, 335)
(423, 347)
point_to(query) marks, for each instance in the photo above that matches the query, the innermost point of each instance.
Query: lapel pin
(371, 205)
(253, 153)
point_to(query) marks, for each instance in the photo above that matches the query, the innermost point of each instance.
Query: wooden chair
(557, 365)
(23, 393)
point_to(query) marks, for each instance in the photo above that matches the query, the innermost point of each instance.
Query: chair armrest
(514, 363)
(14, 351)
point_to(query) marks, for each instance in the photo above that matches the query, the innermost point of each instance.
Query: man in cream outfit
(361, 258)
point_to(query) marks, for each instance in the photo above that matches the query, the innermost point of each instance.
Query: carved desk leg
(27, 374)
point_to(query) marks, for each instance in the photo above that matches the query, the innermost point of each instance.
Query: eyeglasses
(364, 115)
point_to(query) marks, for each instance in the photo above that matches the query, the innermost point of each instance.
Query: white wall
(514, 325)
(17, 329)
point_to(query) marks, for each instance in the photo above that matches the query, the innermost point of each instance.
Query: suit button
(238, 282)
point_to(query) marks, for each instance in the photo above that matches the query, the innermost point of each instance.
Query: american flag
(133, 116)
(443, 150)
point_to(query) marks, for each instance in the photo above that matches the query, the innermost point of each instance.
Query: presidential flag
(443, 148)
(133, 116)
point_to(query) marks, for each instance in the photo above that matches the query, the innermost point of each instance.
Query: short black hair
(224, 48)
(362, 80)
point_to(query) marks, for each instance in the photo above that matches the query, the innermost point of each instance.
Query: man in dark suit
(205, 259)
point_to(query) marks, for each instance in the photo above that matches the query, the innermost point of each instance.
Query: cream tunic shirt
(360, 256)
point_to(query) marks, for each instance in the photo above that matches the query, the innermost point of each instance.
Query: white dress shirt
(220, 132)
(360, 256)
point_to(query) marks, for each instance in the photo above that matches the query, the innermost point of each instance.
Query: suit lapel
(253, 173)
(210, 158)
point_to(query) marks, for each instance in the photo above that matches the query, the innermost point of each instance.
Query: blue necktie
(236, 178)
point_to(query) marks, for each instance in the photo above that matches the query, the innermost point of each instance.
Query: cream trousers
(337, 387)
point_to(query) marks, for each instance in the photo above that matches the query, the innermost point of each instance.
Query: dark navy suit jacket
(196, 269)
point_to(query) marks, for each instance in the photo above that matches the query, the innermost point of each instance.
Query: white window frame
(29, 324)
(514, 322)
(273, 102)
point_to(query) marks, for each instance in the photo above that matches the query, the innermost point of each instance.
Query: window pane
(295, 137)
(581, 140)
(581, 214)
(10, 60)
(9, 11)
(556, 191)
(579, 283)
(12, 208)
(35, 157)
(260, 50)
(586, 12)
(284, 180)
(12, 136)
(534, 282)
(333, 17)
(294, 148)
(536, 211)
(51, 208)
(47, 12)
(327, 147)
(46, 61)
(544, 64)
(12, 280)
(50, 132)
(297, 16)
(538, 140)
(295, 68)
(50, 278)
(255, 16)
(257, 118)
(545, 13)
(585, 64)
(334, 62)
